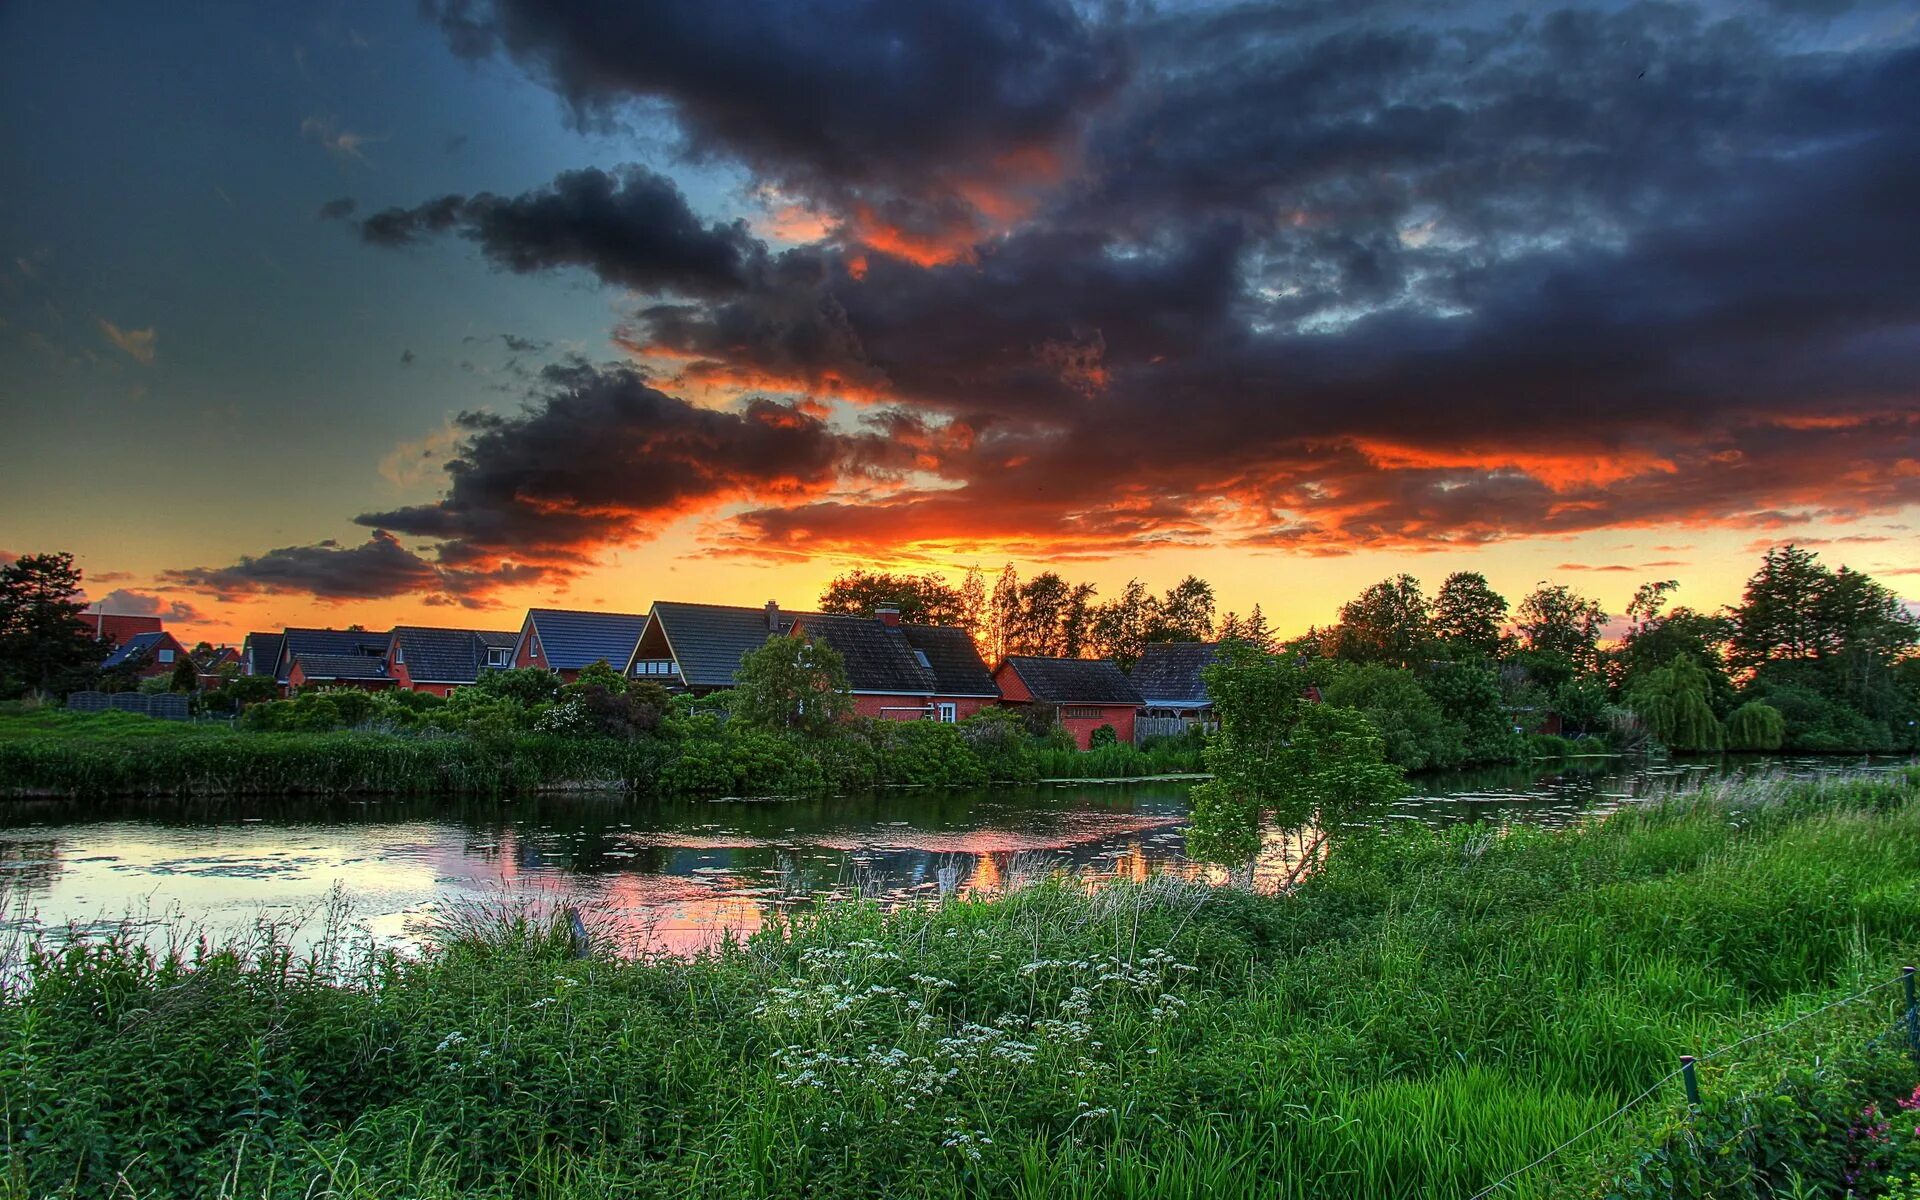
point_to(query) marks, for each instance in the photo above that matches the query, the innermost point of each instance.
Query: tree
(186, 677)
(1839, 632)
(1004, 615)
(1756, 726)
(1039, 625)
(42, 641)
(1673, 702)
(1557, 620)
(973, 609)
(1281, 757)
(1122, 625)
(1391, 622)
(1185, 613)
(792, 683)
(1655, 636)
(921, 599)
(1468, 614)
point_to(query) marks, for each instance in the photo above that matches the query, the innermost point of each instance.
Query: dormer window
(498, 657)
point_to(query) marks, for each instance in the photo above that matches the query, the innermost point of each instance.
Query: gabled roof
(118, 627)
(341, 666)
(1168, 673)
(709, 640)
(220, 658)
(363, 642)
(494, 639)
(1074, 680)
(134, 649)
(262, 650)
(455, 656)
(574, 638)
(878, 658)
(958, 669)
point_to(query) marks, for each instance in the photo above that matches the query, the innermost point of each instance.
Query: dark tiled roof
(341, 666)
(1074, 680)
(446, 655)
(263, 651)
(1169, 672)
(362, 642)
(494, 639)
(878, 658)
(954, 660)
(709, 640)
(575, 638)
(133, 649)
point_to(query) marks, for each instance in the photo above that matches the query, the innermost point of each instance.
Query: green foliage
(1391, 622)
(525, 686)
(1817, 723)
(1557, 620)
(1106, 735)
(921, 599)
(792, 683)
(1280, 758)
(1673, 701)
(43, 645)
(1415, 734)
(1422, 1016)
(1468, 615)
(1756, 726)
(1469, 696)
(184, 677)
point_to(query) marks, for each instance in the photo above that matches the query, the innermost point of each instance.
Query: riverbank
(54, 754)
(1433, 1011)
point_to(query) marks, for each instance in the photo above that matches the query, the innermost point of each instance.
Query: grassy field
(1431, 1012)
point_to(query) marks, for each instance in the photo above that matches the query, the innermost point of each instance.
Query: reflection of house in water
(28, 865)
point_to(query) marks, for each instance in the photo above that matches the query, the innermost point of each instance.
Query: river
(666, 875)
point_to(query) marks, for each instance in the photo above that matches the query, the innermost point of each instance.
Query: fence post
(1690, 1080)
(1913, 1014)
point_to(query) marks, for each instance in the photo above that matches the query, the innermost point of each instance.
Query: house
(424, 659)
(327, 643)
(1168, 679)
(207, 671)
(698, 647)
(564, 640)
(260, 653)
(902, 672)
(118, 629)
(147, 654)
(1087, 693)
(337, 670)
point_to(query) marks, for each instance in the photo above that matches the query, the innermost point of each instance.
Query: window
(399, 654)
(498, 657)
(920, 656)
(948, 713)
(653, 666)
(1082, 713)
(451, 691)
(166, 656)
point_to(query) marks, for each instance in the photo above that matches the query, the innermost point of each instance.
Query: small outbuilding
(1085, 692)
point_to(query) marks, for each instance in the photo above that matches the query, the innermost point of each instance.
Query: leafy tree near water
(1756, 726)
(1468, 614)
(1390, 622)
(792, 683)
(1281, 757)
(1673, 701)
(1559, 621)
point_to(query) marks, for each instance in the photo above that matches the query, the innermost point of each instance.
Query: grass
(1430, 1012)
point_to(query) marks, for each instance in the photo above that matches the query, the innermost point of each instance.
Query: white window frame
(946, 714)
(166, 656)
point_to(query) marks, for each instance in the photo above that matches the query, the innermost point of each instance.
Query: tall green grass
(1430, 1012)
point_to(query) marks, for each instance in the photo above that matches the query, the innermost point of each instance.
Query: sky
(338, 313)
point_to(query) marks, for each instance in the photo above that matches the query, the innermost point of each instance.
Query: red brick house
(118, 629)
(338, 670)
(698, 647)
(900, 672)
(147, 654)
(1086, 693)
(566, 641)
(440, 661)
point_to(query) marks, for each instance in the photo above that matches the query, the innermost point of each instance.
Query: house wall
(915, 708)
(1120, 716)
(151, 667)
(1010, 684)
(525, 657)
(297, 679)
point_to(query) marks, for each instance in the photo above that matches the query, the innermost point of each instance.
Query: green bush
(1756, 726)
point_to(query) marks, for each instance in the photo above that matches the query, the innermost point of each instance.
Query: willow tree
(1756, 726)
(1281, 757)
(1674, 702)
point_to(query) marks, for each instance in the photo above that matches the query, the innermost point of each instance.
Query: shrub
(1106, 735)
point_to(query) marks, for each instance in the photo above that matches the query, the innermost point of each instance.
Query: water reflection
(676, 876)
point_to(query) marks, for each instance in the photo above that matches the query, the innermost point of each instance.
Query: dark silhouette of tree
(1468, 614)
(43, 644)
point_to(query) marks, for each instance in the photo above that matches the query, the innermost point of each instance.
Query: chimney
(773, 616)
(888, 615)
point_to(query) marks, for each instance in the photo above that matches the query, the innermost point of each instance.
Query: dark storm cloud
(377, 568)
(630, 227)
(602, 458)
(1316, 277)
(338, 209)
(838, 95)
